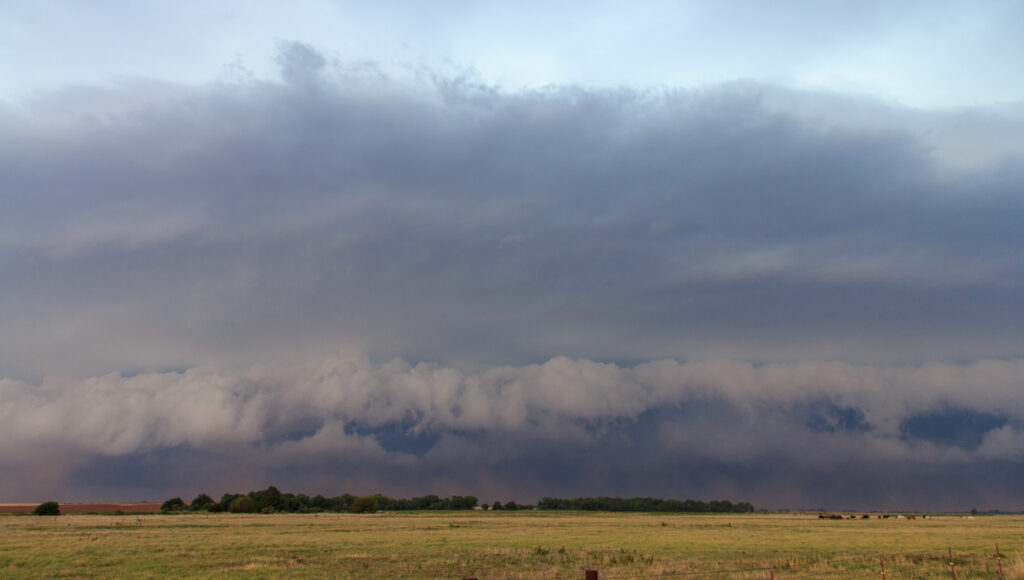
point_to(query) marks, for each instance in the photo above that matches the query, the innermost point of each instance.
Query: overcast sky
(750, 251)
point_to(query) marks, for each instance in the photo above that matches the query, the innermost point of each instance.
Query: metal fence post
(591, 575)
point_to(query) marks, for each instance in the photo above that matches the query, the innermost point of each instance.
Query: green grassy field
(505, 545)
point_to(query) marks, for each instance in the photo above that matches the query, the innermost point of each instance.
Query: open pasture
(497, 545)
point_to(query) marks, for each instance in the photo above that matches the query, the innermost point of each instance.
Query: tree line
(643, 504)
(272, 500)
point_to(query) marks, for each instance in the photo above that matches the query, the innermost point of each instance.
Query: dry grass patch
(523, 545)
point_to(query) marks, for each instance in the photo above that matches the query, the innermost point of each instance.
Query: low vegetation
(47, 508)
(643, 504)
(500, 545)
(271, 500)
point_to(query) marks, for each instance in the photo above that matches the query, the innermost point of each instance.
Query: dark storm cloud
(155, 226)
(776, 434)
(151, 227)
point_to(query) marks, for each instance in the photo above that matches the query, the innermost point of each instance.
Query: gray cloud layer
(568, 426)
(149, 227)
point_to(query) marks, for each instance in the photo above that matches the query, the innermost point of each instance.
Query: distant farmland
(505, 545)
(139, 507)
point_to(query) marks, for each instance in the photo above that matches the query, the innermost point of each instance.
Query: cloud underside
(149, 227)
(153, 226)
(797, 435)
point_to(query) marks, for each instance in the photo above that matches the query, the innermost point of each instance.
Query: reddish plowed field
(148, 507)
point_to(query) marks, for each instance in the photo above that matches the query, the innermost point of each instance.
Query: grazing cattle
(839, 517)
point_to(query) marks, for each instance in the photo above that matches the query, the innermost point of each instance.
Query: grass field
(505, 545)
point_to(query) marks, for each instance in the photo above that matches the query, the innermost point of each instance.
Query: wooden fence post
(999, 561)
(591, 575)
(952, 570)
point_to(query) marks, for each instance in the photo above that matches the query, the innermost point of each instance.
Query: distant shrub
(242, 505)
(201, 502)
(363, 504)
(269, 500)
(643, 504)
(173, 505)
(49, 508)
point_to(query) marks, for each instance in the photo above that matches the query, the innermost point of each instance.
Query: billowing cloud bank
(823, 433)
(149, 228)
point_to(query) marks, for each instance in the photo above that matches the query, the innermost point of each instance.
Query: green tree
(384, 502)
(744, 507)
(175, 504)
(319, 502)
(459, 502)
(269, 500)
(201, 502)
(48, 508)
(363, 504)
(340, 503)
(242, 504)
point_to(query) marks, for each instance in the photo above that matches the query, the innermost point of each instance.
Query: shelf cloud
(643, 428)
